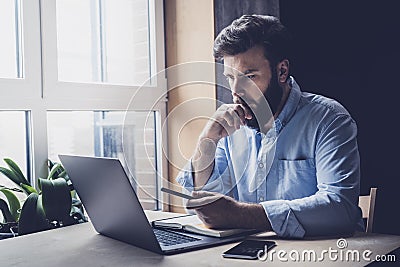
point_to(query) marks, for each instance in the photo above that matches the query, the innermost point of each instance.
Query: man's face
(250, 77)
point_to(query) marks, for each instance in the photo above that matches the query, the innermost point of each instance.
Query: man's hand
(214, 209)
(227, 119)
(220, 211)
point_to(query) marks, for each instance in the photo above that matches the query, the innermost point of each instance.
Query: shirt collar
(290, 106)
(288, 110)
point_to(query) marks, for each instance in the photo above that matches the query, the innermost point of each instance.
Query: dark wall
(349, 50)
(225, 11)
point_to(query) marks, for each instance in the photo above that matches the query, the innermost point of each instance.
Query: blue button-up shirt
(305, 171)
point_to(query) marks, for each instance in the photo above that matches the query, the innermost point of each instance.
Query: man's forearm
(252, 216)
(203, 162)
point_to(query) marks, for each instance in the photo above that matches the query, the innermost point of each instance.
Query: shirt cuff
(185, 178)
(283, 220)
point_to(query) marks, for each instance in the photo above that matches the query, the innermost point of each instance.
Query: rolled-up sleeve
(333, 209)
(282, 218)
(220, 178)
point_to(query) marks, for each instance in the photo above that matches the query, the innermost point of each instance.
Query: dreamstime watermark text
(339, 253)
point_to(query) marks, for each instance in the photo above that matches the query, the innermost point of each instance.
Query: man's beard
(273, 95)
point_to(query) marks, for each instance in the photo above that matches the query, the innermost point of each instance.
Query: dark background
(349, 51)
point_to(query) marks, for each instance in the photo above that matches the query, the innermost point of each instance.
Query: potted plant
(52, 205)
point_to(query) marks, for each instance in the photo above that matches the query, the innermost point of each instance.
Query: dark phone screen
(248, 249)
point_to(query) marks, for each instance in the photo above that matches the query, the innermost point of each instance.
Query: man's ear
(283, 71)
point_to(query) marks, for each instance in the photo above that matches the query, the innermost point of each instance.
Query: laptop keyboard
(167, 238)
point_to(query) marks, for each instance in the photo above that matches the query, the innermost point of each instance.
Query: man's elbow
(343, 221)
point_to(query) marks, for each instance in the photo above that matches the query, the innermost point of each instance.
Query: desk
(80, 245)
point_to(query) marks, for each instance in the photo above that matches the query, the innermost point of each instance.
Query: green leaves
(13, 203)
(17, 171)
(57, 199)
(28, 189)
(32, 217)
(15, 174)
(54, 171)
(54, 204)
(10, 174)
(5, 211)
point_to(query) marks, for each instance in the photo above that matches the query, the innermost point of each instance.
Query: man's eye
(251, 77)
(229, 78)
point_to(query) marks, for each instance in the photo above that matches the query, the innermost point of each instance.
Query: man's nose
(237, 90)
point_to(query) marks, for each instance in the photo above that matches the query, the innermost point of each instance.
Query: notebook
(192, 224)
(115, 211)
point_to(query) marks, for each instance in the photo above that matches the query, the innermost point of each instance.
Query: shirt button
(261, 199)
(260, 165)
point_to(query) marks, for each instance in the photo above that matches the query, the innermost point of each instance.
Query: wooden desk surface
(80, 245)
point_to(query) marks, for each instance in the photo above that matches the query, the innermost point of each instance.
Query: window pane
(13, 145)
(104, 41)
(99, 133)
(77, 59)
(126, 35)
(10, 45)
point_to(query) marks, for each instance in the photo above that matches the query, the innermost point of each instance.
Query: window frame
(39, 90)
(90, 95)
(28, 86)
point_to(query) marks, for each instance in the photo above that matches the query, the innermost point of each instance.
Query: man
(292, 167)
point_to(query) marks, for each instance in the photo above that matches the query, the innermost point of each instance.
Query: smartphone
(249, 249)
(175, 193)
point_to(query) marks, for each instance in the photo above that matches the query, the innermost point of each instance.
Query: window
(10, 46)
(102, 49)
(14, 140)
(68, 73)
(14, 144)
(107, 134)
(114, 44)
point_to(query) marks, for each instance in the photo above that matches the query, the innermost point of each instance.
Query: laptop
(115, 211)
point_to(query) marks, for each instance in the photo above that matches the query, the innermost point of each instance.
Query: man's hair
(250, 30)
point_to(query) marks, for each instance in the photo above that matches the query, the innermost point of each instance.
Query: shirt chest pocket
(297, 178)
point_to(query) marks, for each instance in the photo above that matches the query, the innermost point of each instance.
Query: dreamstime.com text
(341, 253)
